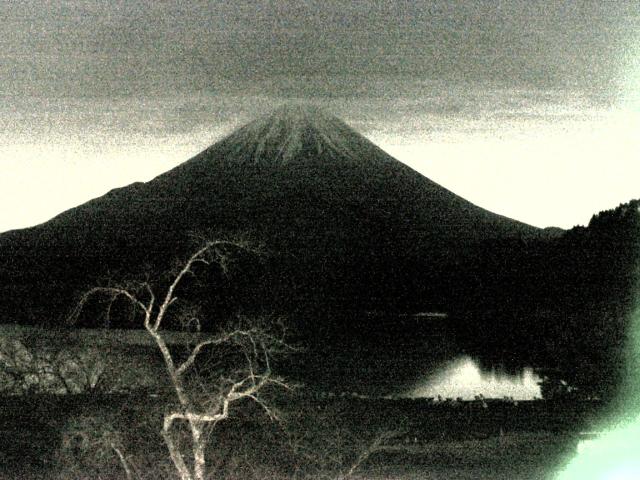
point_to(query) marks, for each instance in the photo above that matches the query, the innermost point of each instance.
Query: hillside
(344, 224)
(354, 243)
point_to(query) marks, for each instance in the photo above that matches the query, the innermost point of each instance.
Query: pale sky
(529, 109)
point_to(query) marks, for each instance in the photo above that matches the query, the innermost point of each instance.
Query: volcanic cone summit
(294, 132)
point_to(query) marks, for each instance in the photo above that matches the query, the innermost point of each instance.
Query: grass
(32, 432)
(514, 456)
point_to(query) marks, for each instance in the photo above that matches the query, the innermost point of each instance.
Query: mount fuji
(346, 226)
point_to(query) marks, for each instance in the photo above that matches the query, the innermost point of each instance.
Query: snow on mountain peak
(294, 131)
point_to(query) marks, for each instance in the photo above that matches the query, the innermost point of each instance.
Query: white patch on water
(464, 378)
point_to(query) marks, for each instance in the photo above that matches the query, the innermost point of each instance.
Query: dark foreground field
(512, 456)
(75, 437)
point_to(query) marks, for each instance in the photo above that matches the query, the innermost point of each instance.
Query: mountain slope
(346, 225)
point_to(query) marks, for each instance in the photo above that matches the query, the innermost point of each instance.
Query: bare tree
(202, 404)
(28, 366)
(330, 446)
(92, 443)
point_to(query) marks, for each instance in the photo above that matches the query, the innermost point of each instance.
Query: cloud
(96, 48)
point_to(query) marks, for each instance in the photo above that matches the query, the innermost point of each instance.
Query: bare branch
(198, 257)
(375, 446)
(197, 409)
(200, 345)
(123, 460)
(112, 293)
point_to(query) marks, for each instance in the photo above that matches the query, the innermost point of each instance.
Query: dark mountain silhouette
(345, 224)
(352, 237)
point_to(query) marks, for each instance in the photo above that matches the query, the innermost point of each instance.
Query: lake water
(464, 378)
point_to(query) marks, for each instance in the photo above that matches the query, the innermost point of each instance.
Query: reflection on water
(464, 378)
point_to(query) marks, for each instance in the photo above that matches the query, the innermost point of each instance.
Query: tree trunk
(174, 452)
(199, 462)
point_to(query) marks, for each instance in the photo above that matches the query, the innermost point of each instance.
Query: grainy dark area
(522, 440)
(299, 240)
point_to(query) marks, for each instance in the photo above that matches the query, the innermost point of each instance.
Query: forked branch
(255, 344)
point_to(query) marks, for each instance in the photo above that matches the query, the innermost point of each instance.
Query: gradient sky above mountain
(530, 109)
